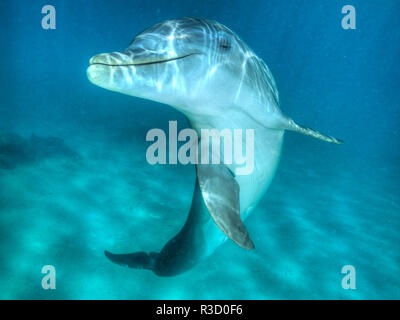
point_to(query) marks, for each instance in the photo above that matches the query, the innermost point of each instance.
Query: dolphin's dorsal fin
(220, 193)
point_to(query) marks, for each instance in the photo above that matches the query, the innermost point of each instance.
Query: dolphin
(204, 70)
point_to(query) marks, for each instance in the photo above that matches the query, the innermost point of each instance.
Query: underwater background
(74, 178)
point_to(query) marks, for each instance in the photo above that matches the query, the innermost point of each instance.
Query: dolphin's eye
(224, 44)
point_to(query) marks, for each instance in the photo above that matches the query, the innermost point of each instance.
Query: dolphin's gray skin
(207, 72)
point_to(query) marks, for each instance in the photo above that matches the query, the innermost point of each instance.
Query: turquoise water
(74, 178)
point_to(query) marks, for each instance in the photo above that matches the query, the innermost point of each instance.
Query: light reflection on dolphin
(205, 71)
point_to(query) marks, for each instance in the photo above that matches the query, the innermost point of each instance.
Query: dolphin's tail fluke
(136, 260)
(293, 126)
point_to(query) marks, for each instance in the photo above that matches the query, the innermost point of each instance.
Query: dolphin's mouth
(109, 60)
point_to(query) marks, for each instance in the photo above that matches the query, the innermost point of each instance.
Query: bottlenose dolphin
(204, 70)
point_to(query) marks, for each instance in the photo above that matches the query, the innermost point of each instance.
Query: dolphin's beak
(112, 59)
(134, 58)
(105, 67)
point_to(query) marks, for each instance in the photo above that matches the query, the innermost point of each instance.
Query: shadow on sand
(16, 150)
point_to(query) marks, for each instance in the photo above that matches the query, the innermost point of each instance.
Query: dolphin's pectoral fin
(220, 192)
(289, 124)
(137, 260)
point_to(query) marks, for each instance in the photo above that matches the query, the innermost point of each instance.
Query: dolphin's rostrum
(207, 72)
